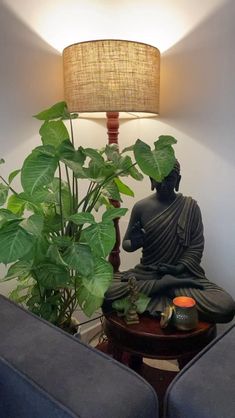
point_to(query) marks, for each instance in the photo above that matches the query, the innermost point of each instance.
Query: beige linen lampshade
(112, 76)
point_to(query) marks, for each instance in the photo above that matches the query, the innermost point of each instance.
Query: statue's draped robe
(175, 236)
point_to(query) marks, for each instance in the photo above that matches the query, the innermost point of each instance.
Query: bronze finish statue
(168, 226)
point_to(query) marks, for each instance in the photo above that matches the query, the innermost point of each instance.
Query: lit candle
(184, 302)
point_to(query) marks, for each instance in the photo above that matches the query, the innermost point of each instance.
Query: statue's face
(168, 185)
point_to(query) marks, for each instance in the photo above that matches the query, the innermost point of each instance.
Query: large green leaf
(157, 163)
(124, 164)
(113, 213)
(38, 251)
(33, 225)
(66, 151)
(15, 242)
(94, 155)
(52, 221)
(127, 149)
(136, 174)
(52, 276)
(60, 195)
(111, 191)
(53, 133)
(102, 201)
(76, 167)
(12, 175)
(82, 218)
(123, 188)
(33, 202)
(95, 172)
(53, 254)
(91, 290)
(59, 110)
(21, 268)
(101, 278)
(38, 170)
(112, 153)
(163, 141)
(16, 204)
(88, 302)
(6, 215)
(101, 238)
(79, 258)
(3, 194)
(16, 294)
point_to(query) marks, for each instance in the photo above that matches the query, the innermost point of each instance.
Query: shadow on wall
(30, 79)
(198, 83)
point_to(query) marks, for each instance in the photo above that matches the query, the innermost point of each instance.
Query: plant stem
(103, 183)
(74, 181)
(89, 192)
(69, 186)
(70, 300)
(12, 190)
(37, 281)
(71, 129)
(60, 200)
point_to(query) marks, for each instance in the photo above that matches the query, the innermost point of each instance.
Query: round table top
(148, 338)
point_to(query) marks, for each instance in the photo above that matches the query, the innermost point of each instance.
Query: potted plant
(56, 248)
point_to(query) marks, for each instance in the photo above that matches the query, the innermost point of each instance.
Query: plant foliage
(56, 248)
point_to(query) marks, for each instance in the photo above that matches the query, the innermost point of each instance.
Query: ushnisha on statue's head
(169, 184)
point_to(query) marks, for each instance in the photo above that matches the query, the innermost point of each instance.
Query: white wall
(30, 79)
(197, 107)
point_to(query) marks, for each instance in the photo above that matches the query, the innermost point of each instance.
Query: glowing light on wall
(156, 22)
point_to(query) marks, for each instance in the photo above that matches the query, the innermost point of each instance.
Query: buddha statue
(168, 227)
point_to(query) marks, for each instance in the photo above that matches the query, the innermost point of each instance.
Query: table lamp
(112, 78)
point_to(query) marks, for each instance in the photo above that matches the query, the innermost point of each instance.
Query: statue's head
(169, 184)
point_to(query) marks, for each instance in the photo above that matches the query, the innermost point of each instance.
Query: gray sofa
(205, 388)
(45, 373)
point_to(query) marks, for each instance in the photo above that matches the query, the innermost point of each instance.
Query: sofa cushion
(45, 372)
(205, 388)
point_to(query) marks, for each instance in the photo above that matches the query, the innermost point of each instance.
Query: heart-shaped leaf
(3, 194)
(123, 188)
(157, 163)
(15, 242)
(91, 290)
(113, 213)
(79, 258)
(56, 111)
(101, 238)
(38, 170)
(82, 218)
(52, 276)
(19, 269)
(53, 133)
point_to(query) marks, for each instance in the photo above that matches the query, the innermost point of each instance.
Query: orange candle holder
(185, 316)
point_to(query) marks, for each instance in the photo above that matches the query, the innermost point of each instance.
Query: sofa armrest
(205, 387)
(45, 372)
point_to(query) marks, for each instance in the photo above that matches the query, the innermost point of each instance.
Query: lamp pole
(112, 123)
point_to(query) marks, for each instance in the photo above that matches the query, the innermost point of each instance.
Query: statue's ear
(178, 183)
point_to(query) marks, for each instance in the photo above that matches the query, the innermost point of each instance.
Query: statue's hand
(171, 269)
(137, 235)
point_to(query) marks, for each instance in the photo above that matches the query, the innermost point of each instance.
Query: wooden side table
(148, 339)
